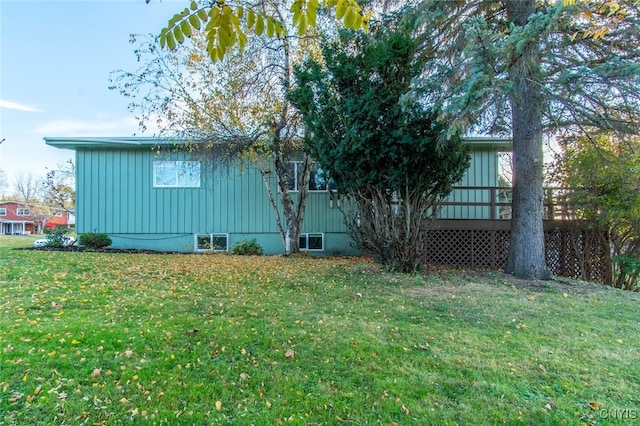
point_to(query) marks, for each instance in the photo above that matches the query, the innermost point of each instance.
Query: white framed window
(3, 211)
(23, 212)
(318, 179)
(211, 242)
(57, 214)
(312, 242)
(176, 174)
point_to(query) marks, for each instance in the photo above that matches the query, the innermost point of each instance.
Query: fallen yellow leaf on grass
(218, 405)
(594, 405)
(290, 353)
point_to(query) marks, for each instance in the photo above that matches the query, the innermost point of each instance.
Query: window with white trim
(311, 242)
(23, 212)
(318, 179)
(57, 214)
(176, 174)
(211, 242)
(3, 212)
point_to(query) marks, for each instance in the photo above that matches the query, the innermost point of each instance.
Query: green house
(171, 201)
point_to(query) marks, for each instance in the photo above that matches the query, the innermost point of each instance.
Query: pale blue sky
(55, 60)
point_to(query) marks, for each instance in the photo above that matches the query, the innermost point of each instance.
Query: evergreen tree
(526, 68)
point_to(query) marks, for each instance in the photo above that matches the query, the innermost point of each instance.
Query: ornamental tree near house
(526, 68)
(380, 148)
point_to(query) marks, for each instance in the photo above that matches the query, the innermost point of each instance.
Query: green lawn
(18, 241)
(99, 338)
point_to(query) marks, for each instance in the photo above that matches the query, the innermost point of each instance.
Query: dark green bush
(95, 241)
(628, 273)
(247, 248)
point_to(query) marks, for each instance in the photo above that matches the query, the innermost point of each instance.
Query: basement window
(311, 242)
(211, 242)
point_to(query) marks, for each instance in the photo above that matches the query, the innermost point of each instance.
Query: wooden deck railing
(498, 202)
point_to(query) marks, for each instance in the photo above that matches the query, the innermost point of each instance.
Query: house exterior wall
(115, 195)
(482, 173)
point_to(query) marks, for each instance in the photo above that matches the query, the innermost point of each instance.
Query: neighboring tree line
(441, 69)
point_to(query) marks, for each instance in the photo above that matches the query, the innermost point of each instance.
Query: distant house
(17, 218)
(172, 201)
(61, 217)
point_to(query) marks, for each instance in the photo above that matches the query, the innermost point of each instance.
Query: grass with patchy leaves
(103, 338)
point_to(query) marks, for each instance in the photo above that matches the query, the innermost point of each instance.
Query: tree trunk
(293, 210)
(526, 257)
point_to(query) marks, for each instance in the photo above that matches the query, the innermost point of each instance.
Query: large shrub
(384, 148)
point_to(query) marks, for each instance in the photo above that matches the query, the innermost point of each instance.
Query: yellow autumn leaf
(218, 405)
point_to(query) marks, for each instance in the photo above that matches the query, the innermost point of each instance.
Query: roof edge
(111, 142)
(130, 142)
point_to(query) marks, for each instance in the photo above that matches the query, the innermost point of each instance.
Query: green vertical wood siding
(115, 195)
(483, 172)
